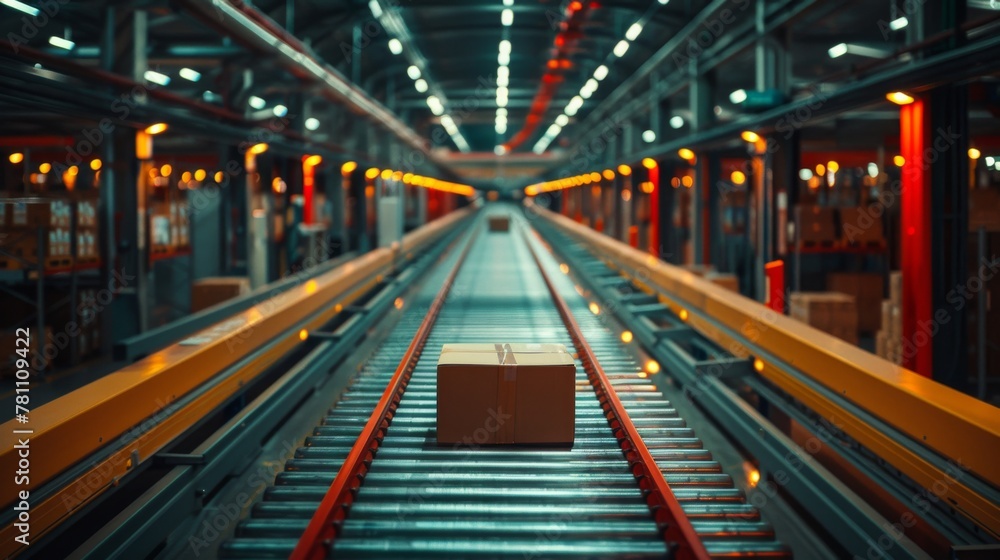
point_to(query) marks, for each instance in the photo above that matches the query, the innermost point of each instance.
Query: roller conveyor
(419, 499)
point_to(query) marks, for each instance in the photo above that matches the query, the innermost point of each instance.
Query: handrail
(962, 429)
(135, 407)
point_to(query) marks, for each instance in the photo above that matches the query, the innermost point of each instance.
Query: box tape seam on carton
(506, 391)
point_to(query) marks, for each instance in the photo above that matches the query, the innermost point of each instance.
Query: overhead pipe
(258, 31)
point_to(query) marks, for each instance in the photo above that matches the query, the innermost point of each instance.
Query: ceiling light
(633, 31)
(805, 174)
(621, 48)
(211, 97)
(663, 2)
(421, 85)
(601, 72)
(413, 72)
(20, 6)
(676, 122)
(898, 23)
(156, 128)
(553, 130)
(156, 77)
(256, 102)
(574, 105)
(435, 105)
(189, 74)
(500, 150)
(837, 51)
(507, 17)
(900, 98)
(749, 136)
(592, 85)
(738, 96)
(502, 112)
(990, 160)
(280, 110)
(312, 123)
(395, 47)
(503, 59)
(505, 46)
(502, 79)
(503, 71)
(974, 153)
(562, 120)
(61, 43)
(376, 9)
(508, 2)
(873, 170)
(649, 136)
(501, 127)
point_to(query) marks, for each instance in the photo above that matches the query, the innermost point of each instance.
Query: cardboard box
(728, 281)
(210, 291)
(815, 224)
(867, 290)
(501, 396)
(499, 223)
(830, 312)
(896, 287)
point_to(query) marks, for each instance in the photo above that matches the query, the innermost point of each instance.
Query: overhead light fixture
(750, 136)
(376, 9)
(500, 150)
(574, 105)
(562, 120)
(505, 46)
(738, 96)
(61, 43)
(898, 23)
(621, 48)
(663, 2)
(686, 154)
(805, 174)
(395, 46)
(676, 122)
(633, 31)
(257, 102)
(503, 59)
(312, 123)
(421, 85)
(189, 74)
(508, 2)
(649, 136)
(258, 149)
(600, 72)
(501, 127)
(837, 51)
(435, 105)
(156, 128)
(280, 110)
(20, 6)
(211, 97)
(974, 153)
(16, 157)
(502, 112)
(156, 77)
(990, 160)
(900, 98)
(413, 72)
(507, 17)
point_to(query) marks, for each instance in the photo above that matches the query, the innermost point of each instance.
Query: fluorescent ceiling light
(156, 77)
(898, 23)
(676, 122)
(500, 150)
(502, 112)
(421, 85)
(562, 120)
(395, 47)
(621, 48)
(837, 51)
(507, 17)
(189, 74)
(503, 59)
(505, 46)
(435, 105)
(574, 105)
(312, 123)
(649, 136)
(413, 72)
(376, 9)
(256, 102)
(633, 31)
(738, 96)
(280, 110)
(601, 72)
(61, 43)
(20, 6)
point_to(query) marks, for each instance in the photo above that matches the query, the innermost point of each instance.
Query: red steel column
(915, 222)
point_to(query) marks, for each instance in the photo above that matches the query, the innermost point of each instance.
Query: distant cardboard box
(490, 394)
(499, 223)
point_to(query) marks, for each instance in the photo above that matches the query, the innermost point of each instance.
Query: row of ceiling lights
(593, 177)
(589, 88)
(503, 74)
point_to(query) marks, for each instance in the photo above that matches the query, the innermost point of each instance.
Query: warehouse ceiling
(435, 64)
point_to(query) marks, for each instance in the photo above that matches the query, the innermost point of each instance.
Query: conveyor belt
(422, 500)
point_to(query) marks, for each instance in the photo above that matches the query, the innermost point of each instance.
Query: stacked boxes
(499, 223)
(505, 394)
(210, 291)
(866, 288)
(23, 219)
(168, 226)
(889, 340)
(830, 312)
(815, 225)
(87, 238)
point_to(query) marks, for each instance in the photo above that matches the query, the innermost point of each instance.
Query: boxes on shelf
(499, 223)
(861, 226)
(505, 394)
(210, 291)
(896, 287)
(728, 281)
(46, 214)
(815, 225)
(867, 289)
(831, 312)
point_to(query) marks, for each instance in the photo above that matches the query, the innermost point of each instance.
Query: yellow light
(647, 187)
(758, 365)
(166, 169)
(753, 477)
(371, 173)
(675, 182)
(348, 167)
(626, 195)
(313, 161)
(595, 309)
(687, 181)
(386, 174)
(95, 164)
(200, 175)
(303, 334)
(186, 176)
(900, 161)
(683, 315)
(73, 171)
(624, 170)
(900, 98)
(398, 304)
(643, 375)
(16, 157)
(750, 136)
(609, 174)
(832, 166)
(156, 128)
(974, 153)
(257, 149)
(820, 169)
(311, 287)
(338, 308)
(530, 191)
(626, 336)
(649, 163)
(686, 154)
(219, 177)
(653, 367)
(738, 177)
(277, 185)
(595, 177)
(564, 268)
(45, 168)
(408, 178)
